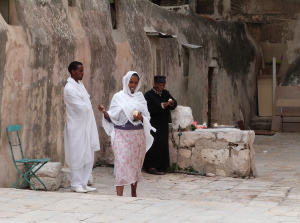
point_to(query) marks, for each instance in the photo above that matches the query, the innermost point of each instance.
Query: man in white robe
(81, 134)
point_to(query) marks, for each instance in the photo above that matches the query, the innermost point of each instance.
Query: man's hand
(165, 104)
(171, 103)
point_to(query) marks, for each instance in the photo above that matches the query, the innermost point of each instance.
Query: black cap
(160, 79)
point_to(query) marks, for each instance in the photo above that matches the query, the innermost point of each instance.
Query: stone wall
(273, 25)
(224, 152)
(44, 36)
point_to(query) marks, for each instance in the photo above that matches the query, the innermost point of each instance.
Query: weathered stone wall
(274, 26)
(41, 40)
(44, 36)
(279, 35)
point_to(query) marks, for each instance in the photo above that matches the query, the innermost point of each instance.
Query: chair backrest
(13, 131)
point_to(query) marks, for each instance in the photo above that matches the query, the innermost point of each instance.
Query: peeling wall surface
(44, 36)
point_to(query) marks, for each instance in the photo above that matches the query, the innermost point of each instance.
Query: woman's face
(133, 83)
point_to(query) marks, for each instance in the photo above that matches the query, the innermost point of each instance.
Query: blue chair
(31, 165)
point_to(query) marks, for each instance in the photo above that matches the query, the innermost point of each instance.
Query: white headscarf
(121, 110)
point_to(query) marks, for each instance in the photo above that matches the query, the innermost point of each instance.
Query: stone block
(230, 136)
(209, 160)
(210, 175)
(220, 172)
(51, 183)
(224, 153)
(66, 178)
(217, 130)
(188, 138)
(261, 126)
(248, 136)
(50, 175)
(184, 158)
(239, 164)
(50, 169)
(186, 153)
(182, 116)
(183, 163)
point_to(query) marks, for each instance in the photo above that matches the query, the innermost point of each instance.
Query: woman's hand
(138, 117)
(102, 108)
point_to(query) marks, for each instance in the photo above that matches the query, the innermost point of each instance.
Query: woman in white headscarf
(127, 123)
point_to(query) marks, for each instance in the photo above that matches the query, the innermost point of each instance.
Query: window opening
(113, 13)
(212, 96)
(205, 7)
(4, 10)
(158, 62)
(186, 62)
(71, 3)
(170, 2)
(210, 80)
(157, 2)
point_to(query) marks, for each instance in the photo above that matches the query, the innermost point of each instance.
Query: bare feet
(133, 189)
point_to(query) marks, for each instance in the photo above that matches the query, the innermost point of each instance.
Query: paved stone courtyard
(273, 196)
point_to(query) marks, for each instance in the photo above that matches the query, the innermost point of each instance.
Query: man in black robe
(159, 102)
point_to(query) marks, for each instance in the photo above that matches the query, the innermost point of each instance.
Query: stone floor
(273, 196)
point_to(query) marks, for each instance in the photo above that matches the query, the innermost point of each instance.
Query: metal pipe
(178, 147)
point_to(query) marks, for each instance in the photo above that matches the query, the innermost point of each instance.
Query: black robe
(158, 155)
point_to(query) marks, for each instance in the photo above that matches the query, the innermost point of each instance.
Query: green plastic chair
(30, 164)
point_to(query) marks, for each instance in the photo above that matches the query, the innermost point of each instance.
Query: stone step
(261, 123)
(261, 119)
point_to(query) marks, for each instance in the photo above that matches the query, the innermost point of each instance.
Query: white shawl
(81, 134)
(121, 109)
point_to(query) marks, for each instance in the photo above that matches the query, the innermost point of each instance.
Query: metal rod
(178, 147)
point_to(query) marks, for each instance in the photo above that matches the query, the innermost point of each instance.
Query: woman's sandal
(155, 172)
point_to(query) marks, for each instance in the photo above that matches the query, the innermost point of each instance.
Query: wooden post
(274, 79)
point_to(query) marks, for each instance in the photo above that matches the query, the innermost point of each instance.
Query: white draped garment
(81, 134)
(121, 110)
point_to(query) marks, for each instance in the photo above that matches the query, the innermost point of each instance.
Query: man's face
(159, 86)
(78, 73)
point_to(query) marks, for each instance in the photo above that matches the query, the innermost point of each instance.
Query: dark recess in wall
(170, 2)
(205, 7)
(4, 10)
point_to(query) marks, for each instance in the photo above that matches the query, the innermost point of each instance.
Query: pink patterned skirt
(129, 148)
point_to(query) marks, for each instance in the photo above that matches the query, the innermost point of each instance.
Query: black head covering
(160, 79)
